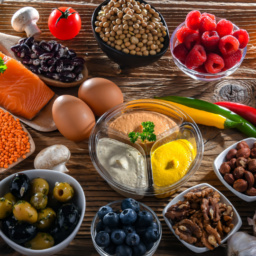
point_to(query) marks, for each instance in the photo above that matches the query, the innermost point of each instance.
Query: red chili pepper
(247, 112)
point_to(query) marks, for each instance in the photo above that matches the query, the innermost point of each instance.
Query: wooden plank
(161, 78)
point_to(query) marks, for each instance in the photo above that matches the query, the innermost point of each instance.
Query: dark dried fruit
(46, 56)
(15, 48)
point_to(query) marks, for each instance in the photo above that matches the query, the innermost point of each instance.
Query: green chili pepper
(247, 128)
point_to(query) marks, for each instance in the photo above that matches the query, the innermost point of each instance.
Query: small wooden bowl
(32, 147)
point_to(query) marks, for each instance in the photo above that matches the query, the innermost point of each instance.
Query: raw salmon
(22, 92)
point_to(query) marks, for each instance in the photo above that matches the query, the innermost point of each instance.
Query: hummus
(170, 162)
(131, 122)
(124, 163)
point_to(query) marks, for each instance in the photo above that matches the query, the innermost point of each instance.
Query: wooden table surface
(161, 78)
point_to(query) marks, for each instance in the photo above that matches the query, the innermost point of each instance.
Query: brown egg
(73, 117)
(100, 94)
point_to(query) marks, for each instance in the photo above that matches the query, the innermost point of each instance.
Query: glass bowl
(185, 128)
(116, 206)
(206, 77)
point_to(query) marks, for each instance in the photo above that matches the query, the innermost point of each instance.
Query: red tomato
(64, 23)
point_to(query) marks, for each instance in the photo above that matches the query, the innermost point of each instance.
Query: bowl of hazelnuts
(131, 33)
(236, 169)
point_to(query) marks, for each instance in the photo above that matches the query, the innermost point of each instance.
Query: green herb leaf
(147, 133)
(3, 67)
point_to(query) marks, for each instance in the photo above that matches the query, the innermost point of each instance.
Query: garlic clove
(252, 222)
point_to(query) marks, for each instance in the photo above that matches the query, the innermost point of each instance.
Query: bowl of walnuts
(131, 33)
(236, 169)
(202, 218)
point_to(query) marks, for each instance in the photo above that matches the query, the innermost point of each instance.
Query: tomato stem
(64, 15)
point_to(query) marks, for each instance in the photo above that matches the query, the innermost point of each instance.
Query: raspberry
(180, 52)
(207, 24)
(201, 69)
(196, 57)
(191, 40)
(214, 63)
(231, 60)
(193, 20)
(183, 32)
(228, 45)
(209, 15)
(210, 40)
(224, 28)
(242, 36)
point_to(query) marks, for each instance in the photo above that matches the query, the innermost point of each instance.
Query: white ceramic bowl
(51, 177)
(222, 158)
(236, 220)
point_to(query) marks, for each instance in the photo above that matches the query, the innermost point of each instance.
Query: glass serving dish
(185, 128)
(206, 77)
(116, 206)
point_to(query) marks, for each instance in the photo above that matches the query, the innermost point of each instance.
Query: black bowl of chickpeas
(131, 33)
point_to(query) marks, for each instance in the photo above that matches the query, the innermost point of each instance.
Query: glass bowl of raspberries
(126, 228)
(208, 48)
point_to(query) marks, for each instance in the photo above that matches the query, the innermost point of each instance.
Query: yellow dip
(171, 161)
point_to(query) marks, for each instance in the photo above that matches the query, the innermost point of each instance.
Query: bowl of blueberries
(126, 228)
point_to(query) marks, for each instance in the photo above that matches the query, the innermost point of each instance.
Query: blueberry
(132, 239)
(151, 235)
(102, 239)
(131, 204)
(111, 220)
(154, 225)
(100, 226)
(103, 211)
(110, 249)
(123, 250)
(149, 246)
(109, 230)
(144, 219)
(141, 231)
(128, 216)
(128, 229)
(118, 236)
(139, 249)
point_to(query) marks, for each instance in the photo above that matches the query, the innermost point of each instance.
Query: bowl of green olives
(41, 211)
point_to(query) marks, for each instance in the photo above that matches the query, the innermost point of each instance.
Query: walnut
(205, 208)
(220, 229)
(197, 194)
(214, 210)
(211, 238)
(188, 231)
(197, 218)
(179, 211)
(227, 229)
(216, 196)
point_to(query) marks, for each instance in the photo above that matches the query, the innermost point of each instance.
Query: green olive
(5, 208)
(46, 218)
(10, 197)
(39, 185)
(24, 211)
(42, 241)
(39, 201)
(63, 192)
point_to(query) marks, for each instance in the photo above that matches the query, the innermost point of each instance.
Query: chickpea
(101, 24)
(125, 32)
(144, 41)
(119, 42)
(144, 48)
(128, 35)
(161, 46)
(108, 15)
(106, 24)
(147, 6)
(107, 34)
(154, 32)
(120, 27)
(146, 53)
(134, 40)
(108, 42)
(118, 21)
(158, 50)
(153, 46)
(150, 38)
(122, 36)
(111, 39)
(120, 15)
(107, 29)
(112, 33)
(159, 34)
(119, 32)
(118, 47)
(105, 39)
(149, 42)
(158, 42)
(97, 23)
(113, 23)
(132, 47)
(139, 53)
(137, 49)
(144, 12)
(112, 45)
(102, 35)
(161, 39)
(132, 52)
(138, 36)
(136, 26)
(127, 44)
(115, 28)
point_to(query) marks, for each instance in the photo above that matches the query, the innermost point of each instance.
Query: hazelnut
(249, 178)
(238, 172)
(241, 145)
(232, 163)
(243, 152)
(241, 161)
(229, 178)
(252, 165)
(231, 154)
(225, 168)
(251, 192)
(240, 185)
(253, 153)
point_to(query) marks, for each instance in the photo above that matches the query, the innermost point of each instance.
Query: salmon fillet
(22, 92)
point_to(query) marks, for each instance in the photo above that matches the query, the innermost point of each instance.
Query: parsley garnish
(3, 67)
(147, 133)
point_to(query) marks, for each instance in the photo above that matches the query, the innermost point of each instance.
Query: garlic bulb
(252, 222)
(241, 244)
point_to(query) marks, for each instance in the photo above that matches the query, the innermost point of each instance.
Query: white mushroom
(25, 19)
(53, 158)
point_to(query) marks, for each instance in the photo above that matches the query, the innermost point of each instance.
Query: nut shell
(241, 161)
(229, 178)
(240, 185)
(239, 172)
(249, 178)
(231, 154)
(244, 152)
(242, 144)
(252, 165)
(225, 168)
